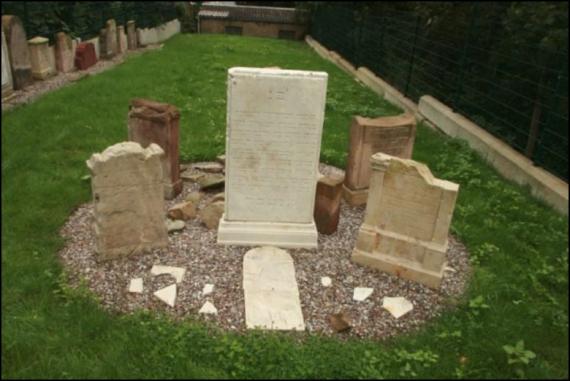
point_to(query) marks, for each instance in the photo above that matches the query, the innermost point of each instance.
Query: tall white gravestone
(274, 125)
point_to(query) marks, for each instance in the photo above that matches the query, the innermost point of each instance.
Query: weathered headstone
(108, 40)
(85, 55)
(129, 216)
(407, 220)
(18, 51)
(273, 139)
(392, 135)
(131, 35)
(271, 295)
(64, 52)
(327, 202)
(39, 57)
(7, 84)
(121, 39)
(154, 122)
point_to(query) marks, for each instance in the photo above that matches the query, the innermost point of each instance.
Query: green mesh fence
(516, 91)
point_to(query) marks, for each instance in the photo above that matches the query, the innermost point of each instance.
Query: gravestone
(273, 139)
(64, 52)
(407, 219)
(128, 210)
(271, 294)
(108, 40)
(40, 57)
(96, 46)
(85, 55)
(327, 202)
(18, 52)
(392, 135)
(131, 35)
(121, 39)
(7, 85)
(154, 122)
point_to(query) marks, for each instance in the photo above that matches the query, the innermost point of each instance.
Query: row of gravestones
(274, 195)
(24, 60)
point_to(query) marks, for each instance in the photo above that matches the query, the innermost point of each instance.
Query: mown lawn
(519, 247)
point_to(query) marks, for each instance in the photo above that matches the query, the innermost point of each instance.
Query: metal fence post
(411, 66)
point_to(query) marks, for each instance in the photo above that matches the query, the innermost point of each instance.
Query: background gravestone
(7, 85)
(121, 39)
(131, 35)
(18, 52)
(392, 135)
(40, 57)
(64, 52)
(128, 209)
(274, 125)
(406, 224)
(85, 55)
(154, 122)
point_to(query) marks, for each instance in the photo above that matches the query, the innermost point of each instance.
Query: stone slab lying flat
(167, 294)
(398, 306)
(176, 272)
(270, 290)
(136, 285)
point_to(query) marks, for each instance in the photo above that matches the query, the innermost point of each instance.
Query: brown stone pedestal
(154, 122)
(392, 135)
(327, 203)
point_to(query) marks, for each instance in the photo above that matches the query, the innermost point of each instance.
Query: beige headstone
(39, 57)
(407, 220)
(274, 124)
(7, 84)
(18, 52)
(392, 135)
(121, 39)
(131, 35)
(64, 52)
(111, 45)
(126, 182)
(271, 294)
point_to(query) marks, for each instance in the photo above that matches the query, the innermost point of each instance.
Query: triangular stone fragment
(167, 294)
(208, 308)
(361, 293)
(176, 272)
(270, 290)
(398, 306)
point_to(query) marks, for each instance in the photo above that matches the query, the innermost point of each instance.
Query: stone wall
(249, 28)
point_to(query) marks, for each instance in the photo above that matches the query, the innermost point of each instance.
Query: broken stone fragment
(182, 211)
(211, 214)
(176, 272)
(208, 308)
(210, 166)
(398, 306)
(221, 159)
(174, 225)
(340, 322)
(211, 180)
(218, 197)
(361, 293)
(208, 288)
(194, 197)
(136, 285)
(167, 294)
(326, 281)
(189, 175)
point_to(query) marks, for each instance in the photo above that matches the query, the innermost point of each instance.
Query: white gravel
(195, 249)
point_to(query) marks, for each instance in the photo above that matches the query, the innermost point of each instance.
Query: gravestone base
(354, 197)
(280, 234)
(425, 263)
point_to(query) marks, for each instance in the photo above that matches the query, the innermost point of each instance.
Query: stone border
(508, 162)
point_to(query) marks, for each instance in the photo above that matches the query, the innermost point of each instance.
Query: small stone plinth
(154, 122)
(407, 220)
(39, 56)
(392, 135)
(85, 55)
(327, 202)
(128, 213)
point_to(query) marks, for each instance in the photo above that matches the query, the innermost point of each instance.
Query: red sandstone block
(85, 56)
(327, 203)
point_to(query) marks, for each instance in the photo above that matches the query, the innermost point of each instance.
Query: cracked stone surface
(270, 288)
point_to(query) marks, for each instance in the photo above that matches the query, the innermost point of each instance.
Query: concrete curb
(508, 162)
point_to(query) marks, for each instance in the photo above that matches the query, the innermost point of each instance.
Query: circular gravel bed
(195, 249)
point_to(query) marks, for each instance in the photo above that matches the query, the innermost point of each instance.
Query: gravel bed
(40, 87)
(195, 249)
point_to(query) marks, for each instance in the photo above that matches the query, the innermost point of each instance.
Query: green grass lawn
(519, 247)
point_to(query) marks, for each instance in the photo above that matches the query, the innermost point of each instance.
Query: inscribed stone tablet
(275, 120)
